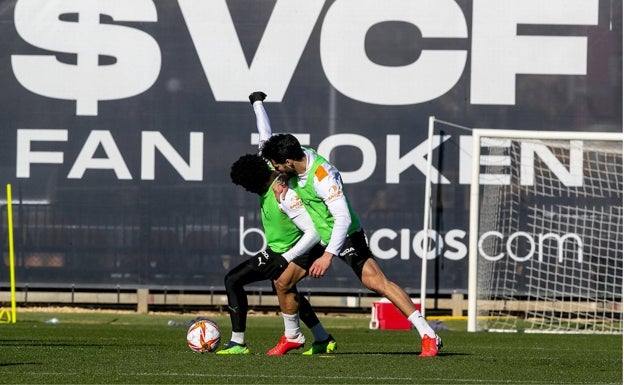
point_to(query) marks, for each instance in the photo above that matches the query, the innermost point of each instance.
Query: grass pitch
(127, 348)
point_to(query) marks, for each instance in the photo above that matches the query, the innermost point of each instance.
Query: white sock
(319, 332)
(238, 337)
(291, 325)
(421, 324)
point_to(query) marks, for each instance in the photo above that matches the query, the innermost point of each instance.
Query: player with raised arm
(323, 342)
(290, 236)
(319, 185)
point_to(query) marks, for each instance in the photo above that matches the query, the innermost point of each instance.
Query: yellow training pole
(11, 253)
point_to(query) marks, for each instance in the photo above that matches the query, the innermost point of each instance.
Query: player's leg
(323, 341)
(372, 277)
(235, 280)
(295, 272)
(287, 297)
(286, 292)
(293, 302)
(295, 306)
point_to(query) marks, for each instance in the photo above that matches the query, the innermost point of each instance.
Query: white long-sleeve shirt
(291, 205)
(262, 123)
(329, 188)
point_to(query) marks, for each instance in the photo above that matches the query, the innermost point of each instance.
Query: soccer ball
(203, 336)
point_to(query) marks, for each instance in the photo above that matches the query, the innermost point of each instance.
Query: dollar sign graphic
(74, 27)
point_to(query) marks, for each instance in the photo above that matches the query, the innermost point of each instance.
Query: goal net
(545, 250)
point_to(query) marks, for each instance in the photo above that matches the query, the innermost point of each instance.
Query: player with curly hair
(291, 237)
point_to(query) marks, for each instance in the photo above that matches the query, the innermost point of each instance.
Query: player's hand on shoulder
(280, 188)
(256, 96)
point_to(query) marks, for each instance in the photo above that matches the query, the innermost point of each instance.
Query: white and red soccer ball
(203, 336)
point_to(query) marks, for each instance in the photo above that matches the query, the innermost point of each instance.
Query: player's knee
(283, 285)
(229, 281)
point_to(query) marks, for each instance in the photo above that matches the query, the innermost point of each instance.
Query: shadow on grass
(19, 364)
(30, 343)
(443, 354)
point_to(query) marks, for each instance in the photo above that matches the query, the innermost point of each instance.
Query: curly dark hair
(252, 172)
(280, 147)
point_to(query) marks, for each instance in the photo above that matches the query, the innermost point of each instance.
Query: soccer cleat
(430, 346)
(234, 348)
(285, 344)
(327, 346)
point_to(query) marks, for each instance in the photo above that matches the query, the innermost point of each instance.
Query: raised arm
(262, 119)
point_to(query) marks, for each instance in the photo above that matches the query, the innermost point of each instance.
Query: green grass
(116, 348)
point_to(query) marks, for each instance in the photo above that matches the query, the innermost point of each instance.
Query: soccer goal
(545, 243)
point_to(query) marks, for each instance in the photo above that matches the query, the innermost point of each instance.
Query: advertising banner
(120, 119)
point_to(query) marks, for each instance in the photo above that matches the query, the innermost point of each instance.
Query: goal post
(426, 217)
(545, 238)
(441, 134)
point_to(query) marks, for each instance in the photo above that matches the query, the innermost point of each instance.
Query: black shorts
(355, 252)
(305, 261)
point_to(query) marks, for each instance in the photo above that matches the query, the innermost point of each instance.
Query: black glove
(269, 263)
(255, 96)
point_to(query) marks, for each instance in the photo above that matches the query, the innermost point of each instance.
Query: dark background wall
(107, 78)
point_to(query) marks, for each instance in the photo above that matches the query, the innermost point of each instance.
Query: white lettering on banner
(395, 163)
(495, 160)
(221, 55)
(349, 69)
(498, 52)
(136, 54)
(541, 239)
(25, 155)
(456, 249)
(452, 246)
(529, 152)
(374, 240)
(242, 248)
(155, 140)
(86, 159)
(112, 161)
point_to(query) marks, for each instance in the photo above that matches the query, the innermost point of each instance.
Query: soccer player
(291, 236)
(319, 185)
